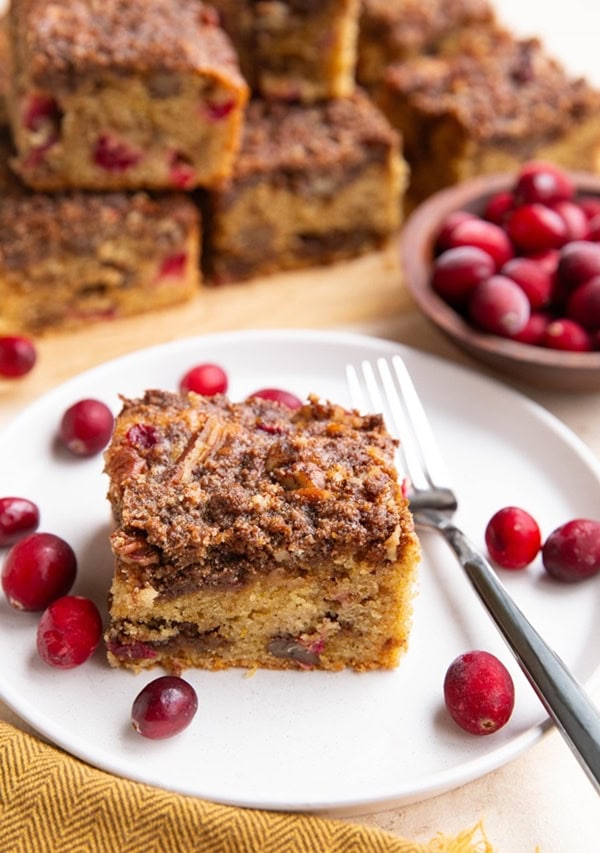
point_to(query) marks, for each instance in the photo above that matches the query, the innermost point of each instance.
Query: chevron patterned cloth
(52, 803)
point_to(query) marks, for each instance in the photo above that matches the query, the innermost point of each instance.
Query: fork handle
(567, 703)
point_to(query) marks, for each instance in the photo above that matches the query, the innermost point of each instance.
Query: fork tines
(386, 386)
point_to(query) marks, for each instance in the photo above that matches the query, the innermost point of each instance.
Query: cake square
(72, 258)
(311, 185)
(294, 50)
(488, 108)
(392, 31)
(123, 94)
(253, 535)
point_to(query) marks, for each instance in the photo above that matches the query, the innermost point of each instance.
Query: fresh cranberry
(535, 227)
(37, 570)
(547, 259)
(532, 278)
(484, 235)
(18, 517)
(577, 223)
(17, 356)
(594, 229)
(164, 707)
(115, 155)
(572, 551)
(181, 172)
(534, 330)
(206, 379)
(279, 396)
(452, 220)
(499, 207)
(513, 538)
(498, 305)
(578, 262)
(567, 335)
(86, 427)
(173, 266)
(590, 205)
(584, 304)
(69, 631)
(542, 182)
(457, 271)
(479, 692)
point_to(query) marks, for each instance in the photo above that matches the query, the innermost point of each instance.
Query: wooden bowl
(539, 366)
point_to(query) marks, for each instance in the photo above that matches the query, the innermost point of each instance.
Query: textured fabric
(53, 803)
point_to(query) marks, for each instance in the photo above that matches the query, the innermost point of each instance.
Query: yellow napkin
(52, 803)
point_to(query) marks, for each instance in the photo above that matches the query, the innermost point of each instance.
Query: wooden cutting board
(364, 290)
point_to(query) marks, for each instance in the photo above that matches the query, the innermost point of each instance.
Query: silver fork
(387, 387)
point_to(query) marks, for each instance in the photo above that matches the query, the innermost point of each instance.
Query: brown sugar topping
(289, 136)
(60, 38)
(502, 96)
(224, 490)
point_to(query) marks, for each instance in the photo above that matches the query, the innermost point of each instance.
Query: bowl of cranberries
(508, 266)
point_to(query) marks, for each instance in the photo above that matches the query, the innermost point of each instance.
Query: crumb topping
(209, 492)
(501, 96)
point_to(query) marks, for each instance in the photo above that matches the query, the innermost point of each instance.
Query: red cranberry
(578, 262)
(590, 206)
(181, 172)
(207, 379)
(41, 112)
(532, 278)
(513, 538)
(37, 570)
(86, 427)
(542, 182)
(534, 330)
(164, 707)
(484, 235)
(594, 230)
(584, 304)
(578, 227)
(567, 335)
(217, 111)
(547, 259)
(17, 356)
(498, 305)
(142, 436)
(450, 223)
(115, 155)
(18, 517)
(479, 692)
(457, 271)
(499, 207)
(572, 551)
(279, 396)
(534, 227)
(69, 631)
(173, 266)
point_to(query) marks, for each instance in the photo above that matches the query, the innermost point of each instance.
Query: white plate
(337, 742)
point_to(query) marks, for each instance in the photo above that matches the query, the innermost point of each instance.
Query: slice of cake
(489, 107)
(72, 258)
(294, 50)
(312, 185)
(251, 535)
(123, 94)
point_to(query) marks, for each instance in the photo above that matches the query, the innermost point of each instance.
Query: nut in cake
(251, 535)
